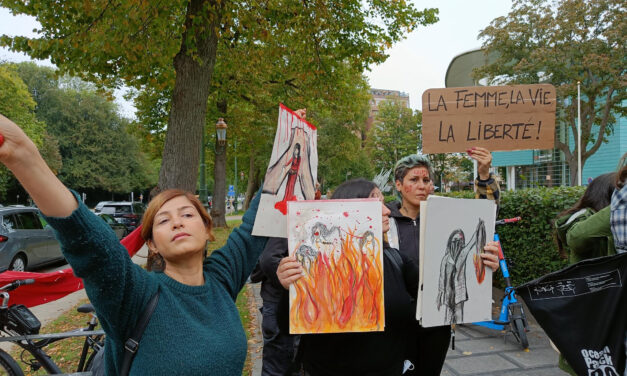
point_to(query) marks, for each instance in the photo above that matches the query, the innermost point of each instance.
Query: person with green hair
(413, 176)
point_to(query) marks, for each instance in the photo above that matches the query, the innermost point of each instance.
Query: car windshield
(117, 209)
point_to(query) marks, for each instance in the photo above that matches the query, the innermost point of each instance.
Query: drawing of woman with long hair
(292, 167)
(291, 175)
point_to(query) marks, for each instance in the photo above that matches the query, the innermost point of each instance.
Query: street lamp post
(235, 175)
(202, 191)
(219, 173)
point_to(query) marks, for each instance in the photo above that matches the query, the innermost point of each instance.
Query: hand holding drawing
(289, 271)
(302, 113)
(484, 161)
(491, 255)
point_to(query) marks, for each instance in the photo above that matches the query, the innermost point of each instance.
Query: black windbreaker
(408, 232)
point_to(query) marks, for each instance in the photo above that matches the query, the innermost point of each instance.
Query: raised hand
(20, 155)
(15, 147)
(484, 161)
(302, 113)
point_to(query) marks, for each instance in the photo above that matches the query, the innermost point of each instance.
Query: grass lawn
(66, 352)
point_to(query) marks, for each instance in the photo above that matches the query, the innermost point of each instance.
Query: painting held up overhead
(291, 174)
(455, 287)
(339, 244)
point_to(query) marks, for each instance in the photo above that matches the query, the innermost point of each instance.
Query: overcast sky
(416, 64)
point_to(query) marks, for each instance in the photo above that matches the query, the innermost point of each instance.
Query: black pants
(430, 351)
(279, 348)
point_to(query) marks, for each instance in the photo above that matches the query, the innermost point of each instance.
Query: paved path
(479, 351)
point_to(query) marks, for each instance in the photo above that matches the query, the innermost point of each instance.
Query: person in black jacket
(279, 346)
(363, 354)
(413, 177)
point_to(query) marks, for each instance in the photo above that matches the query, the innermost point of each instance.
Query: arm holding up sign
(486, 185)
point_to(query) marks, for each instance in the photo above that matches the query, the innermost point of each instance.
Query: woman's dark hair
(621, 178)
(621, 175)
(597, 196)
(354, 188)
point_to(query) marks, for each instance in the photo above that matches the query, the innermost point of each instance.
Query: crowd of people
(195, 328)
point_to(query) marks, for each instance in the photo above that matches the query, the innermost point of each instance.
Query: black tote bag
(583, 309)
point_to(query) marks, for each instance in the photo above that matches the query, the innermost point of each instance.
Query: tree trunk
(218, 209)
(253, 180)
(572, 166)
(179, 166)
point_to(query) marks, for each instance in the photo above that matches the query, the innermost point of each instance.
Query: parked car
(99, 205)
(118, 228)
(127, 213)
(26, 240)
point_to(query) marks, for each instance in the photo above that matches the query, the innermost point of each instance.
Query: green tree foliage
(340, 154)
(565, 42)
(94, 145)
(17, 105)
(451, 169)
(394, 134)
(170, 48)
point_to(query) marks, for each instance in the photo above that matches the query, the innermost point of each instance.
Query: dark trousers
(279, 348)
(430, 351)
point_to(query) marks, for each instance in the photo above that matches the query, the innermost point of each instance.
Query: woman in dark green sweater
(195, 328)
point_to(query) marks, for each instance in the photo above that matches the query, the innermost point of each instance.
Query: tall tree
(140, 41)
(394, 134)
(565, 42)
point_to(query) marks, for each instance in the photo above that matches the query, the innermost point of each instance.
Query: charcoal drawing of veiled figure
(452, 287)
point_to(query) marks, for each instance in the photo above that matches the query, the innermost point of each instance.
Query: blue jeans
(279, 348)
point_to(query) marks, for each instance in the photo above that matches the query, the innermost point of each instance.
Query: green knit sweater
(194, 330)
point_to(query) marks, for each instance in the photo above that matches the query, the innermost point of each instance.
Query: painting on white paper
(339, 243)
(291, 173)
(456, 285)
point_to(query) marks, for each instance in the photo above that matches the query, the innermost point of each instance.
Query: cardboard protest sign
(340, 246)
(514, 117)
(291, 174)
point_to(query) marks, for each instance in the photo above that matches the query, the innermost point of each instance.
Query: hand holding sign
(497, 118)
(484, 161)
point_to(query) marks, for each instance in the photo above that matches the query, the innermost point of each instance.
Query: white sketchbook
(291, 174)
(454, 285)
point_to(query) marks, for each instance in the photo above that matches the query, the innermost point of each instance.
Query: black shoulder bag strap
(132, 344)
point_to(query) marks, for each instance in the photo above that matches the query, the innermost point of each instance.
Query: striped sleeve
(488, 189)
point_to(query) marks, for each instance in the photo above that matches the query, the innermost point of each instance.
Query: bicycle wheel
(8, 365)
(519, 332)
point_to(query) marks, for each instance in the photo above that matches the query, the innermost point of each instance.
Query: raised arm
(486, 186)
(20, 155)
(233, 263)
(88, 243)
